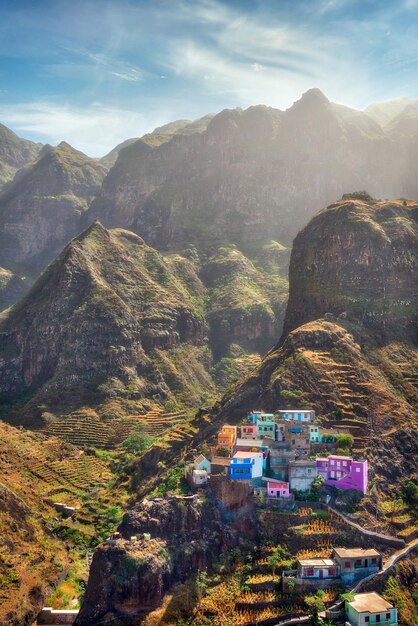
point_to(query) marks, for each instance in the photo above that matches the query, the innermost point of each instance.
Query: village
(284, 457)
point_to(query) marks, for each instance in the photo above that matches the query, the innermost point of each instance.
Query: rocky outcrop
(251, 176)
(130, 575)
(357, 258)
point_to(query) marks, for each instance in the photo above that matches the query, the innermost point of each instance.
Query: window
(331, 572)
(358, 470)
(338, 464)
(309, 471)
(374, 560)
(377, 619)
(309, 572)
(347, 564)
(367, 619)
(387, 615)
(283, 493)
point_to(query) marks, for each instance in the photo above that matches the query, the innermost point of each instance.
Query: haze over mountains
(236, 177)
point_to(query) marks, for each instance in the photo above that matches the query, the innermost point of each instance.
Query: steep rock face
(94, 316)
(251, 175)
(14, 153)
(129, 578)
(358, 257)
(41, 210)
(246, 300)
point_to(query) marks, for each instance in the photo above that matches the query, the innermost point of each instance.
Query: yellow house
(227, 436)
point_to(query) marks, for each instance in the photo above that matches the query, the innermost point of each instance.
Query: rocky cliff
(358, 257)
(251, 175)
(40, 211)
(187, 535)
(15, 153)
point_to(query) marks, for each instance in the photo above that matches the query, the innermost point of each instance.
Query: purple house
(343, 472)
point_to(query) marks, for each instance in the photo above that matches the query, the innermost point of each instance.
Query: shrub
(410, 492)
(345, 441)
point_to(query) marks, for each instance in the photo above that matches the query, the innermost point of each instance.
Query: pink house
(343, 472)
(277, 489)
(249, 431)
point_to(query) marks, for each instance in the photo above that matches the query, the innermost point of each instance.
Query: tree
(137, 443)
(317, 485)
(274, 560)
(202, 581)
(315, 605)
(410, 492)
(345, 441)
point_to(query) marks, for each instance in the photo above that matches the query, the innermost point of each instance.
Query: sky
(96, 72)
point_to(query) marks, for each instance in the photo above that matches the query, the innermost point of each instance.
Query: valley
(151, 299)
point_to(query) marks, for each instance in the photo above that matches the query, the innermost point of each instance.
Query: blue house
(246, 466)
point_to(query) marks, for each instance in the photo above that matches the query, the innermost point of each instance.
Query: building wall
(359, 619)
(301, 477)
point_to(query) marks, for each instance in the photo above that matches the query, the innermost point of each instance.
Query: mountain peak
(313, 95)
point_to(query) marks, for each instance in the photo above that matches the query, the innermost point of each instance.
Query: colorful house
(266, 426)
(246, 466)
(277, 489)
(227, 436)
(312, 574)
(197, 473)
(202, 463)
(314, 434)
(253, 445)
(370, 609)
(253, 416)
(302, 473)
(249, 431)
(357, 563)
(298, 415)
(343, 472)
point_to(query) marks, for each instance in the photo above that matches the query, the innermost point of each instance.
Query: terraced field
(343, 382)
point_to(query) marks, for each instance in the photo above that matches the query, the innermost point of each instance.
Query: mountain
(113, 325)
(384, 112)
(93, 319)
(349, 346)
(14, 153)
(40, 211)
(110, 158)
(250, 176)
(367, 270)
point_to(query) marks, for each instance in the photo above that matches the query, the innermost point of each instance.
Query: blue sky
(95, 72)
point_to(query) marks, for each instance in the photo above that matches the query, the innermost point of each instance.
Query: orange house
(227, 436)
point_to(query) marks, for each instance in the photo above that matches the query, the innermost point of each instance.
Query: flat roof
(199, 472)
(370, 603)
(303, 462)
(296, 411)
(249, 442)
(243, 454)
(317, 562)
(355, 553)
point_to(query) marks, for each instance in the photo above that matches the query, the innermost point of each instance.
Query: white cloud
(257, 67)
(94, 130)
